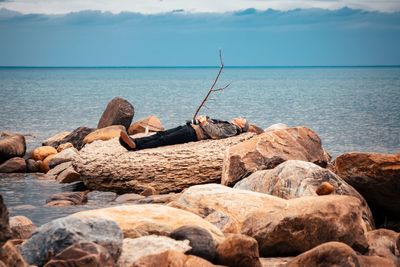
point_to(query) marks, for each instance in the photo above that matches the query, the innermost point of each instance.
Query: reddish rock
(382, 243)
(45, 164)
(149, 124)
(376, 176)
(12, 146)
(68, 175)
(40, 153)
(5, 232)
(269, 149)
(170, 258)
(14, 165)
(118, 112)
(83, 254)
(21, 227)
(76, 198)
(10, 256)
(32, 165)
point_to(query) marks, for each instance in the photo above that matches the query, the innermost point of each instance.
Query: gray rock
(276, 126)
(59, 168)
(53, 237)
(55, 138)
(129, 197)
(101, 197)
(13, 165)
(64, 156)
(12, 146)
(118, 112)
(68, 175)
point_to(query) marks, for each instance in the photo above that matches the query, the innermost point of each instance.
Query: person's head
(241, 123)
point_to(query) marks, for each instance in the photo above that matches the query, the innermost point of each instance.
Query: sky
(190, 33)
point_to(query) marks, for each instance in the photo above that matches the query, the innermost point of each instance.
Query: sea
(350, 108)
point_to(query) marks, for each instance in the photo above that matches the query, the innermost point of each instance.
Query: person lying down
(201, 128)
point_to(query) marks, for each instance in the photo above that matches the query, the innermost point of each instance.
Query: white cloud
(159, 6)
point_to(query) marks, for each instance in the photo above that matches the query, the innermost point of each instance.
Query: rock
(82, 254)
(32, 165)
(68, 175)
(382, 243)
(64, 156)
(118, 112)
(148, 124)
(107, 166)
(276, 126)
(13, 165)
(60, 203)
(59, 168)
(140, 220)
(75, 138)
(375, 176)
(64, 146)
(76, 198)
(275, 222)
(21, 227)
(398, 242)
(171, 258)
(149, 191)
(372, 261)
(5, 232)
(201, 242)
(130, 197)
(269, 149)
(40, 153)
(55, 236)
(10, 256)
(101, 197)
(12, 146)
(296, 178)
(238, 251)
(104, 134)
(51, 141)
(275, 261)
(134, 249)
(45, 164)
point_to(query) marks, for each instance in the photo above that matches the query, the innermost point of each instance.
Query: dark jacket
(216, 129)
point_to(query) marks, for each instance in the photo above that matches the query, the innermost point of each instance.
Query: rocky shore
(273, 199)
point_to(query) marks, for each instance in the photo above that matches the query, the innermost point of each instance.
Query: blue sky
(307, 35)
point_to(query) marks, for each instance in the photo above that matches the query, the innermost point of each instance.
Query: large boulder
(51, 141)
(141, 220)
(82, 254)
(55, 236)
(148, 124)
(76, 137)
(104, 134)
(13, 165)
(12, 146)
(271, 148)
(281, 227)
(5, 232)
(21, 227)
(118, 112)
(296, 178)
(376, 176)
(382, 243)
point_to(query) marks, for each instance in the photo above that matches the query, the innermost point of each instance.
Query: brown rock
(64, 146)
(275, 261)
(104, 134)
(82, 254)
(169, 259)
(238, 251)
(382, 243)
(77, 198)
(5, 232)
(68, 175)
(149, 191)
(21, 227)
(32, 165)
(55, 138)
(269, 149)
(75, 138)
(12, 146)
(10, 256)
(118, 112)
(375, 176)
(13, 165)
(374, 261)
(45, 164)
(296, 178)
(59, 203)
(59, 168)
(40, 153)
(129, 197)
(148, 124)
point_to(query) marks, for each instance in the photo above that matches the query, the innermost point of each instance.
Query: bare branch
(221, 89)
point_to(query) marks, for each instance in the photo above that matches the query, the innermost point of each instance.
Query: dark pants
(178, 135)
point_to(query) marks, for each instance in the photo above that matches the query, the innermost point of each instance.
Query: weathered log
(106, 165)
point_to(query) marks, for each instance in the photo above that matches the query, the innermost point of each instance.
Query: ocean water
(351, 109)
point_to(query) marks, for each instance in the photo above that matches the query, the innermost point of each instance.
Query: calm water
(352, 109)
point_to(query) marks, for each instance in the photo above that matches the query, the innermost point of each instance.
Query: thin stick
(212, 86)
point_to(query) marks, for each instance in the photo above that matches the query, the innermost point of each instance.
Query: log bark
(106, 165)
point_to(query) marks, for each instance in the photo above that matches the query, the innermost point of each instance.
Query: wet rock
(32, 165)
(40, 153)
(296, 178)
(76, 137)
(146, 219)
(45, 164)
(101, 197)
(5, 232)
(130, 197)
(376, 176)
(238, 251)
(281, 227)
(59, 168)
(82, 254)
(21, 227)
(382, 243)
(55, 236)
(148, 124)
(10, 256)
(65, 155)
(201, 242)
(269, 149)
(51, 141)
(118, 112)
(76, 198)
(104, 134)
(69, 175)
(12, 146)
(74, 187)
(13, 165)
(64, 146)
(276, 126)
(134, 249)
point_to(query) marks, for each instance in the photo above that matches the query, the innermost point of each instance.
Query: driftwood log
(106, 165)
